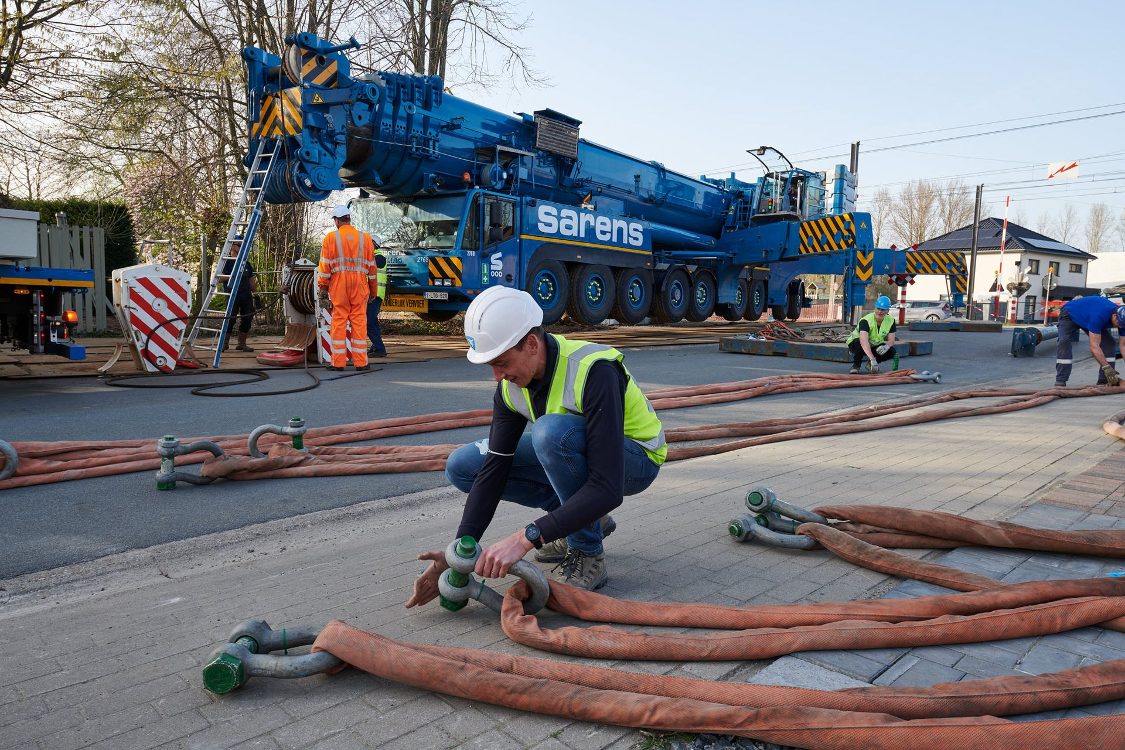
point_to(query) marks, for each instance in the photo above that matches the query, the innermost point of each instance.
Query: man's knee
(462, 466)
(551, 431)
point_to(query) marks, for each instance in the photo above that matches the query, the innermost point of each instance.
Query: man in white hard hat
(593, 439)
(347, 278)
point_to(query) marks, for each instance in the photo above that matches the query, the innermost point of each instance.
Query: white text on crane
(589, 226)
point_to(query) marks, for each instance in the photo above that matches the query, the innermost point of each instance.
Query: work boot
(854, 370)
(582, 570)
(242, 345)
(555, 551)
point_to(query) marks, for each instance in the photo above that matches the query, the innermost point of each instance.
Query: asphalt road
(53, 525)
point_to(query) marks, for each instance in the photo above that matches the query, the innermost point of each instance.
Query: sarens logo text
(586, 225)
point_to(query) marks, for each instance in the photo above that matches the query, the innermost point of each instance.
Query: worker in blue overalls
(874, 337)
(1097, 316)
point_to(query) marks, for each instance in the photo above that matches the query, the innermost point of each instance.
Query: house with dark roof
(1046, 264)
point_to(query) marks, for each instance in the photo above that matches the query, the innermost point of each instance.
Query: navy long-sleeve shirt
(604, 410)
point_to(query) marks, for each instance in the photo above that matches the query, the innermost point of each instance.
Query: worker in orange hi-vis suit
(347, 278)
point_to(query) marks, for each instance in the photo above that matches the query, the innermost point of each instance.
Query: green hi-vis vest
(382, 274)
(568, 382)
(877, 333)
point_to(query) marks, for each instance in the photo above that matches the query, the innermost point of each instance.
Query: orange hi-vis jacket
(347, 270)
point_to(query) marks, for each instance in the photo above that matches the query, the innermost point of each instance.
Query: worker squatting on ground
(244, 306)
(1097, 316)
(594, 438)
(874, 337)
(347, 278)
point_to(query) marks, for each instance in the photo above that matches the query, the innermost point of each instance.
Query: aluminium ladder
(209, 331)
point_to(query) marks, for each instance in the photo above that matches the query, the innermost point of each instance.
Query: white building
(1107, 271)
(1028, 256)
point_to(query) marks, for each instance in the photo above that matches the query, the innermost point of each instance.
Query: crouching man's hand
(426, 585)
(495, 559)
(1112, 377)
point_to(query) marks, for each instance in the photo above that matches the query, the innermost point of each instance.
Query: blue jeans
(549, 467)
(373, 332)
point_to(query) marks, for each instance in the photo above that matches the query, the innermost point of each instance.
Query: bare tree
(955, 205)
(1065, 223)
(881, 209)
(913, 216)
(36, 38)
(1121, 231)
(1043, 223)
(145, 100)
(1099, 223)
(423, 36)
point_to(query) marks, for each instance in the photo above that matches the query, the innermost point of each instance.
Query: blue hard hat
(883, 303)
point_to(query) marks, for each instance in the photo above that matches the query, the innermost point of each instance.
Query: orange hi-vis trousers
(347, 269)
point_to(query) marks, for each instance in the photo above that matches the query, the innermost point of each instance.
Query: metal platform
(803, 350)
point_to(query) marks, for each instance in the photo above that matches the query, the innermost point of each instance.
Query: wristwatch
(532, 533)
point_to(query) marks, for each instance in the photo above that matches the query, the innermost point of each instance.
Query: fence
(821, 312)
(65, 246)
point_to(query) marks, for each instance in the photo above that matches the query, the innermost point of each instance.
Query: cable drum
(300, 290)
(292, 62)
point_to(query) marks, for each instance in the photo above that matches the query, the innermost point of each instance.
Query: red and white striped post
(1000, 268)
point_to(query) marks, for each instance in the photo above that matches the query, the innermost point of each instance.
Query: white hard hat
(497, 320)
(375, 238)
(340, 211)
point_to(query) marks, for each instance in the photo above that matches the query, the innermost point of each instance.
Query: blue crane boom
(465, 197)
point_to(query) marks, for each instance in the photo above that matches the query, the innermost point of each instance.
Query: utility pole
(973, 255)
(853, 167)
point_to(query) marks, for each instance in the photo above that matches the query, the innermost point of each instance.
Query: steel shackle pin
(296, 429)
(453, 585)
(739, 528)
(457, 585)
(758, 499)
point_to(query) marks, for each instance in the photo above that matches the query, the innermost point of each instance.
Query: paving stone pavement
(918, 667)
(108, 655)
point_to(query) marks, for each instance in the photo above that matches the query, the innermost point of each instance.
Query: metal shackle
(247, 654)
(764, 500)
(749, 528)
(296, 429)
(168, 447)
(461, 568)
(11, 459)
(926, 376)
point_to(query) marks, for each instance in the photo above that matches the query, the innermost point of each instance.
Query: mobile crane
(464, 197)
